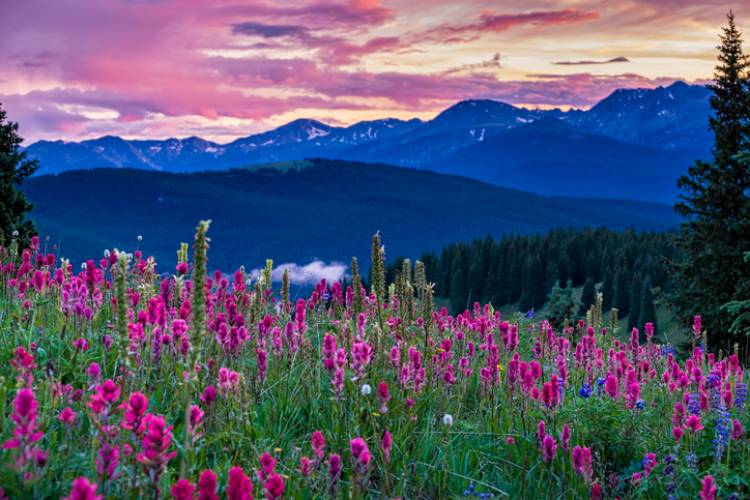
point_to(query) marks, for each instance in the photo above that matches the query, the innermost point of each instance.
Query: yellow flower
(277, 450)
(375, 414)
(500, 367)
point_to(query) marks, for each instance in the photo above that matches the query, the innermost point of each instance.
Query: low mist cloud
(308, 274)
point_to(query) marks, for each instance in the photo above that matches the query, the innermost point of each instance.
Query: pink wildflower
(383, 396)
(26, 432)
(677, 433)
(195, 421)
(693, 423)
(208, 396)
(334, 466)
(565, 437)
(611, 386)
(239, 486)
(596, 491)
(267, 464)
(274, 486)
(82, 489)
(386, 443)
(549, 448)
(67, 416)
(582, 463)
(304, 465)
(183, 490)
(737, 430)
(708, 488)
(318, 444)
(135, 409)
(157, 439)
(105, 396)
(207, 486)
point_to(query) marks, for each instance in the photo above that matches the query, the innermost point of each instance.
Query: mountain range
(302, 211)
(631, 145)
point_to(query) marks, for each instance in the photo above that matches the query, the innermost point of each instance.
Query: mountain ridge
(645, 121)
(333, 206)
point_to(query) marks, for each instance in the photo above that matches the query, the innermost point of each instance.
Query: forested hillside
(628, 267)
(300, 211)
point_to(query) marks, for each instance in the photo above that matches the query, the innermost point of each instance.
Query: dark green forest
(300, 211)
(628, 267)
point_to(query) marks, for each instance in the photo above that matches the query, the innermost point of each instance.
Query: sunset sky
(75, 69)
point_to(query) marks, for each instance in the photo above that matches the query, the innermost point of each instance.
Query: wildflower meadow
(120, 379)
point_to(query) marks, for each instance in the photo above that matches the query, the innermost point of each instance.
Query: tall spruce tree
(588, 296)
(14, 169)
(647, 308)
(608, 289)
(635, 302)
(715, 201)
(533, 292)
(621, 298)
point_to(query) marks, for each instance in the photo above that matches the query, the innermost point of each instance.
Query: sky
(222, 69)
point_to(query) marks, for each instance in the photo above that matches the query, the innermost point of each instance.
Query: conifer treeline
(627, 267)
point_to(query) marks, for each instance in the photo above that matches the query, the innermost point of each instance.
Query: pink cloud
(136, 59)
(491, 21)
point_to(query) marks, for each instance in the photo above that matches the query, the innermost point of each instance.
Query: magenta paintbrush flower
(549, 448)
(135, 410)
(239, 486)
(207, 486)
(274, 486)
(708, 488)
(82, 489)
(582, 463)
(27, 455)
(183, 490)
(155, 444)
(318, 444)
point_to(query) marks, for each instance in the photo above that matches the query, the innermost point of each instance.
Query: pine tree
(715, 201)
(459, 292)
(621, 297)
(588, 296)
(476, 277)
(608, 289)
(513, 282)
(635, 302)
(647, 308)
(493, 285)
(14, 169)
(533, 289)
(730, 101)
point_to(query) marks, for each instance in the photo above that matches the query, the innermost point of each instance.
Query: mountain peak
(474, 113)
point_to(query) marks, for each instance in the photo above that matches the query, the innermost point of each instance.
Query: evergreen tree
(621, 297)
(715, 201)
(533, 290)
(14, 169)
(458, 290)
(608, 290)
(730, 101)
(562, 305)
(515, 272)
(588, 296)
(647, 308)
(635, 302)
(739, 309)
(476, 277)
(493, 285)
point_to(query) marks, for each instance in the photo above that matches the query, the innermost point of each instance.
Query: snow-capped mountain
(473, 138)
